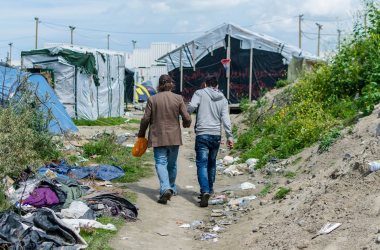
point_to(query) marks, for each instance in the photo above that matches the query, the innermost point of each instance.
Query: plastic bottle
(216, 201)
(195, 224)
(374, 166)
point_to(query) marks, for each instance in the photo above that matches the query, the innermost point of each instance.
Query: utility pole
(10, 54)
(37, 19)
(108, 42)
(134, 44)
(300, 30)
(72, 29)
(319, 36)
(365, 23)
(339, 31)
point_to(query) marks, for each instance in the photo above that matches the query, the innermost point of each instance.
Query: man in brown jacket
(162, 116)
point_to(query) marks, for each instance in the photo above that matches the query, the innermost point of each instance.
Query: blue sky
(17, 22)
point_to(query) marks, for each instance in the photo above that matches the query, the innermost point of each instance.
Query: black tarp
(267, 69)
(129, 81)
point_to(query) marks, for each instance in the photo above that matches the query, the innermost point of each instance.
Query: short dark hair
(211, 81)
(165, 83)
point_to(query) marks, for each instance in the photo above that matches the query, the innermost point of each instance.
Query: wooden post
(181, 70)
(229, 68)
(250, 74)
(36, 18)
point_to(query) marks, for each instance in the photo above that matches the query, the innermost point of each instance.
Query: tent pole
(229, 68)
(193, 52)
(181, 70)
(250, 74)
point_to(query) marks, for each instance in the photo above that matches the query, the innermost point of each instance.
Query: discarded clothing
(24, 190)
(77, 210)
(42, 197)
(30, 237)
(49, 183)
(112, 205)
(102, 172)
(72, 193)
(67, 181)
(80, 223)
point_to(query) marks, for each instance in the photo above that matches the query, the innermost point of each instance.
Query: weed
(282, 83)
(299, 167)
(111, 121)
(282, 193)
(131, 196)
(265, 191)
(329, 140)
(100, 238)
(296, 160)
(134, 121)
(349, 131)
(130, 128)
(290, 174)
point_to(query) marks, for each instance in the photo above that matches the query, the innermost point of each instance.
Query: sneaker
(204, 199)
(200, 195)
(166, 195)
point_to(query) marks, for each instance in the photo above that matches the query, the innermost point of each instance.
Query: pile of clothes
(53, 207)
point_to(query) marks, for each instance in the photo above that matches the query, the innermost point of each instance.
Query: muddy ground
(327, 188)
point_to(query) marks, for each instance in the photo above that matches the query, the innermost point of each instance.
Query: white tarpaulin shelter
(88, 82)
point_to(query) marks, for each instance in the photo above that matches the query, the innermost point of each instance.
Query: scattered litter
(219, 162)
(191, 166)
(241, 200)
(128, 114)
(252, 162)
(9, 184)
(232, 171)
(222, 142)
(374, 166)
(124, 238)
(185, 133)
(216, 214)
(77, 224)
(327, 228)
(121, 139)
(130, 145)
(70, 147)
(94, 156)
(163, 234)
(228, 160)
(185, 226)
(223, 150)
(189, 187)
(216, 228)
(274, 160)
(148, 151)
(216, 201)
(247, 185)
(129, 134)
(220, 197)
(209, 236)
(215, 240)
(195, 224)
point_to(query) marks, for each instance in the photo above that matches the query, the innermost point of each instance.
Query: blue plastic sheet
(101, 172)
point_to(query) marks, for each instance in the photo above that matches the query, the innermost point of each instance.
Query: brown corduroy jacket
(162, 116)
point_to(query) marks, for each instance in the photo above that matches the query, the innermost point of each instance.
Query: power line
(303, 34)
(325, 34)
(120, 44)
(52, 27)
(271, 21)
(93, 38)
(341, 20)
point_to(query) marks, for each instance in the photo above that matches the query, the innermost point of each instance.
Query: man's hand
(230, 144)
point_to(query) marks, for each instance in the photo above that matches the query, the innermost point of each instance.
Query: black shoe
(204, 199)
(166, 195)
(200, 195)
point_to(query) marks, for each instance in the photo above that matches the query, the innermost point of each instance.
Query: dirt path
(158, 219)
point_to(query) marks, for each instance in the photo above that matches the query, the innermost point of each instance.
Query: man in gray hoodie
(212, 111)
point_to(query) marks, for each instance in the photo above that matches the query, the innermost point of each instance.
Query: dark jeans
(206, 147)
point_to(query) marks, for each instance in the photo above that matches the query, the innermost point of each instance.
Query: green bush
(328, 140)
(282, 83)
(282, 193)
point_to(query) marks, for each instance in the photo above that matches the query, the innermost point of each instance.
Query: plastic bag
(140, 147)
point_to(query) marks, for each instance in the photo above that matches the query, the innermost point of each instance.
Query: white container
(374, 166)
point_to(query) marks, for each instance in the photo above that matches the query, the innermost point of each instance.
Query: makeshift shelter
(89, 83)
(143, 92)
(129, 82)
(10, 80)
(257, 61)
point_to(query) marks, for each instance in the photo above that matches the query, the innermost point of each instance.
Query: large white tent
(88, 82)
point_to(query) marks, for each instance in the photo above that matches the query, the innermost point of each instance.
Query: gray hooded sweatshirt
(212, 112)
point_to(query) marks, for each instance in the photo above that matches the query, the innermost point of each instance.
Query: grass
(282, 193)
(111, 121)
(265, 191)
(290, 174)
(131, 196)
(297, 160)
(328, 140)
(134, 167)
(134, 121)
(100, 238)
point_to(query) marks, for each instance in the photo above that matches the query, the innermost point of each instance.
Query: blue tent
(143, 92)
(9, 82)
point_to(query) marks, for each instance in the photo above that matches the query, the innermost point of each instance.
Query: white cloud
(328, 7)
(160, 7)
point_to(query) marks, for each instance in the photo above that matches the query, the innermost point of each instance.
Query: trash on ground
(94, 156)
(216, 201)
(195, 224)
(185, 226)
(327, 228)
(77, 224)
(220, 197)
(209, 236)
(130, 145)
(215, 240)
(241, 200)
(216, 228)
(252, 162)
(124, 238)
(128, 114)
(163, 234)
(191, 166)
(189, 187)
(216, 214)
(374, 166)
(247, 185)
(232, 171)
(228, 160)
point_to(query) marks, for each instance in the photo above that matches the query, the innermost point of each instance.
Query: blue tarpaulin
(9, 82)
(102, 172)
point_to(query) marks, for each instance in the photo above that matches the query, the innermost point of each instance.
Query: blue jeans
(166, 167)
(206, 147)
